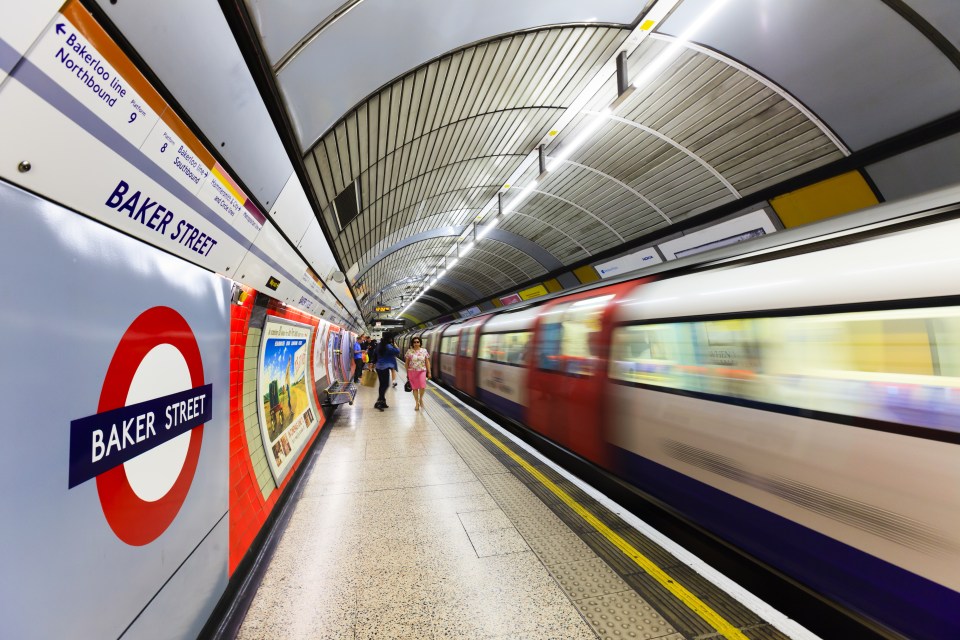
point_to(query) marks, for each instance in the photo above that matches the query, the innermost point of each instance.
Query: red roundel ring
(136, 521)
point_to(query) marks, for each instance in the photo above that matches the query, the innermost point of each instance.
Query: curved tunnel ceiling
(430, 148)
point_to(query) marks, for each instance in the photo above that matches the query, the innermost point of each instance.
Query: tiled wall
(253, 492)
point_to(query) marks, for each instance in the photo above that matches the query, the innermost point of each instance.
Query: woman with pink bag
(418, 369)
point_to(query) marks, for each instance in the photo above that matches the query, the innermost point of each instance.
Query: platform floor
(433, 524)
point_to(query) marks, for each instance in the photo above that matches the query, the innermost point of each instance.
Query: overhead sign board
(382, 309)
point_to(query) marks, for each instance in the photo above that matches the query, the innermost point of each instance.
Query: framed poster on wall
(320, 352)
(288, 416)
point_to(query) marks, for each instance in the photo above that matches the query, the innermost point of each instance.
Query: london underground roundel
(148, 433)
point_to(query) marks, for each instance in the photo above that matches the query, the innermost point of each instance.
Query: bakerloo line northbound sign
(142, 494)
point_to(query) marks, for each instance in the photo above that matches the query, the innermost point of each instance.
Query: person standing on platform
(418, 370)
(358, 359)
(387, 354)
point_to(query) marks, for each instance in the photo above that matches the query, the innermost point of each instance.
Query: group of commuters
(382, 358)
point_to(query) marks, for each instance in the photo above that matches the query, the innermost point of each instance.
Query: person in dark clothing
(358, 348)
(387, 353)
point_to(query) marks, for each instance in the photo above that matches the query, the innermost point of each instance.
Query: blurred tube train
(801, 402)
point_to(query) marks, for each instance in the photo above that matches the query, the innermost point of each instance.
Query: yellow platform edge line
(691, 601)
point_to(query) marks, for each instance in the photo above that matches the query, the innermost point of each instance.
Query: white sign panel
(629, 262)
(746, 227)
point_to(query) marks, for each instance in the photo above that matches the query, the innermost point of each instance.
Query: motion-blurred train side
(802, 404)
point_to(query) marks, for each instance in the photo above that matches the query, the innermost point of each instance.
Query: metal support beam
(622, 80)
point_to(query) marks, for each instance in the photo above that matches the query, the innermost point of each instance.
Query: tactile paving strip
(588, 578)
(559, 548)
(477, 457)
(625, 616)
(603, 582)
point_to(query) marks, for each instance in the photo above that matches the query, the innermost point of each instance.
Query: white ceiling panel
(292, 211)
(313, 245)
(944, 15)
(429, 107)
(282, 23)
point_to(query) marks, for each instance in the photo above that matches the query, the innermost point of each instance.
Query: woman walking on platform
(418, 370)
(387, 354)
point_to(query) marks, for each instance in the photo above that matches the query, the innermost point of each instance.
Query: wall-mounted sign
(144, 171)
(111, 495)
(513, 298)
(273, 283)
(469, 313)
(105, 445)
(533, 292)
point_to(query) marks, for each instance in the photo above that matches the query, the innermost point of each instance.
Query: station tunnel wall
(146, 478)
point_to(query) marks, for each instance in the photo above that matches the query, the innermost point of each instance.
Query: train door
(568, 374)
(466, 356)
(431, 343)
(449, 342)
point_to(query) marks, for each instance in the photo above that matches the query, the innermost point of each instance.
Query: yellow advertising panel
(826, 199)
(533, 292)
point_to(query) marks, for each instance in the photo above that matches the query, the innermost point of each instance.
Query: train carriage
(807, 409)
(502, 362)
(568, 373)
(467, 354)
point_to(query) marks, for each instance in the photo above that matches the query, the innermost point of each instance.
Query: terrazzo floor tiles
(407, 529)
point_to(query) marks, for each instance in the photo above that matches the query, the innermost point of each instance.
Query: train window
(448, 345)
(489, 346)
(897, 365)
(515, 347)
(508, 348)
(568, 344)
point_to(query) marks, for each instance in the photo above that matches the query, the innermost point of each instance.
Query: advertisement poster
(287, 415)
(320, 352)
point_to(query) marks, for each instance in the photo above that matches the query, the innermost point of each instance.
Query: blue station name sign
(106, 440)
